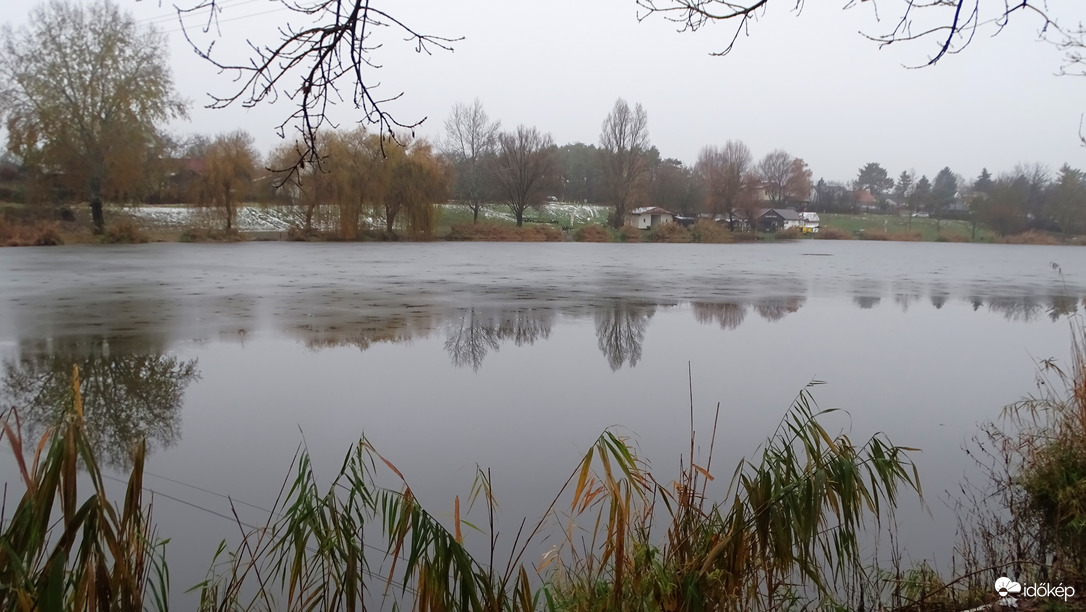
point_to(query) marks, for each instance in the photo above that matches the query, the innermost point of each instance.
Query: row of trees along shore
(87, 91)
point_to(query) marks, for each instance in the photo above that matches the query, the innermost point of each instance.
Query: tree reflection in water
(866, 302)
(775, 309)
(620, 331)
(470, 338)
(130, 391)
(728, 315)
(1062, 306)
(474, 332)
(1020, 308)
(939, 296)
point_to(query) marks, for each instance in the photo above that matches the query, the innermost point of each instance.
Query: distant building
(649, 216)
(866, 201)
(776, 219)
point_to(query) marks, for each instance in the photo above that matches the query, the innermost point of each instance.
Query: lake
(516, 357)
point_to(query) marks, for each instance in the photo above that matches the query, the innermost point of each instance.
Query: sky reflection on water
(517, 356)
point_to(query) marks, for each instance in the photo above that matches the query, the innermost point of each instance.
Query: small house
(776, 219)
(649, 216)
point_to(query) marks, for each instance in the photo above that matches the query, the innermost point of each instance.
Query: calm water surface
(516, 356)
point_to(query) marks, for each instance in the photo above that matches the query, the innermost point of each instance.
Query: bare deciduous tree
(523, 166)
(725, 174)
(326, 61)
(773, 171)
(470, 138)
(83, 89)
(624, 140)
(747, 205)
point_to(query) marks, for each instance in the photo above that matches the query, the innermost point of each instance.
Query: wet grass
(887, 227)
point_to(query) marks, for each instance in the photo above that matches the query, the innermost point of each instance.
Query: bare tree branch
(954, 23)
(316, 66)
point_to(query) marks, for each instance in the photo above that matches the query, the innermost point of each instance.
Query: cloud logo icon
(1005, 586)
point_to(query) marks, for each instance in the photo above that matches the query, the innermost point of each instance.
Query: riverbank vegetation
(786, 528)
(360, 185)
(793, 525)
(807, 520)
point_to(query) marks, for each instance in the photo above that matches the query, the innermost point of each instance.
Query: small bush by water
(124, 232)
(39, 233)
(629, 233)
(710, 232)
(496, 232)
(669, 232)
(200, 234)
(593, 233)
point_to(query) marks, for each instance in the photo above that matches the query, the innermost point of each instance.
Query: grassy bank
(906, 228)
(45, 225)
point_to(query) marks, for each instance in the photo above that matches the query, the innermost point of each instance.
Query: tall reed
(786, 529)
(64, 548)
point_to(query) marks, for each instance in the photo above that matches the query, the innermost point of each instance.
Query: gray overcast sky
(810, 84)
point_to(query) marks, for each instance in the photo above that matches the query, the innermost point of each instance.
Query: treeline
(1030, 197)
(366, 182)
(90, 89)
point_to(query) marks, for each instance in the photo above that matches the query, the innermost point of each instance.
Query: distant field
(950, 229)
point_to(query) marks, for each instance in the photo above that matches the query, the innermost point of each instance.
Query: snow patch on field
(579, 213)
(281, 218)
(560, 212)
(249, 218)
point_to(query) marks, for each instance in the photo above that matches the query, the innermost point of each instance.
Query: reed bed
(786, 527)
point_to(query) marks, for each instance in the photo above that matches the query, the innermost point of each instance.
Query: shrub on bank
(1031, 237)
(792, 233)
(629, 233)
(199, 234)
(494, 232)
(593, 233)
(832, 233)
(39, 233)
(124, 232)
(710, 232)
(873, 234)
(296, 233)
(951, 237)
(669, 232)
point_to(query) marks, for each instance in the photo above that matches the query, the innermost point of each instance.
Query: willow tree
(417, 181)
(298, 187)
(230, 168)
(353, 177)
(83, 89)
